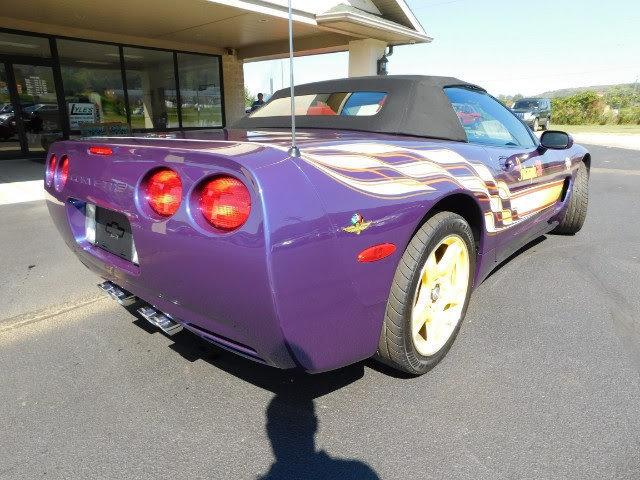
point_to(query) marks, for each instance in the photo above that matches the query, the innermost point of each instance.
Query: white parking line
(619, 171)
(19, 192)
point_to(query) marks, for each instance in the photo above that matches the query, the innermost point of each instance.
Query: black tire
(576, 212)
(396, 346)
(536, 125)
(547, 124)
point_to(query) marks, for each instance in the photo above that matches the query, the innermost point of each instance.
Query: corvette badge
(358, 225)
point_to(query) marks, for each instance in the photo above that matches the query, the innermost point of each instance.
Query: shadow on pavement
(292, 425)
(515, 254)
(22, 170)
(291, 421)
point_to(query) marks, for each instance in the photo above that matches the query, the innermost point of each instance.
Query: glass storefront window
(38, 104)
(9, 139)
(92, 82)
(200, 90)
(151, 88)
(24, 45)
(94, 100)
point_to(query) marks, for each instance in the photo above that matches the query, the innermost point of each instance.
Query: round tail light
(63, 173)
(51, 169)
(225, 203)
(163, 191)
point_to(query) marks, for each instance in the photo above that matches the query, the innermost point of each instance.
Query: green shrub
(629, 115)
(583, 107)
(590, 108)
(623, 96)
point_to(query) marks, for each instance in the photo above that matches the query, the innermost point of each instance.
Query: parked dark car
(535, 112)
(7, 125)
(32, 118)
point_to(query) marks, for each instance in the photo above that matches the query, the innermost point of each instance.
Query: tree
(248, 97)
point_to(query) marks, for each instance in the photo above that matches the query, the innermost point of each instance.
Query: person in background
(258, 103)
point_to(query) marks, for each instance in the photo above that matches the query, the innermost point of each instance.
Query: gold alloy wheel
(440, 295)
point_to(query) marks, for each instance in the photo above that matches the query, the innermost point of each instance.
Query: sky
(505, 46)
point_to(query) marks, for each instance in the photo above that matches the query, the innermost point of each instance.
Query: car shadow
(291, 422)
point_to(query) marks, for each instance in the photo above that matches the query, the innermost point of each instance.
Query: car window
(363, 103)
(526, 104)
(487, 121)
(348, 104)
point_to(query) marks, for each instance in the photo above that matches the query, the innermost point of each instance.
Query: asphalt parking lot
(542, 383)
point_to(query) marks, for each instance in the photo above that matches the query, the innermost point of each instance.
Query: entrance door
(9, 135)
(37, 101)
(30, 119)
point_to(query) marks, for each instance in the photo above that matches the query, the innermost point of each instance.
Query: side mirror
(556, 140)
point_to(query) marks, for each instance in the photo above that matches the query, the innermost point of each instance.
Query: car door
(529, 180)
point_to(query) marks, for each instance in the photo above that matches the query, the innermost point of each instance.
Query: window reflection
(92, 81)
(200, 90)
(151, 88)
(39, 105)
(24, 45)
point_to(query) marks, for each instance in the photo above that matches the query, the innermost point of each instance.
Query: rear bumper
(249, 328)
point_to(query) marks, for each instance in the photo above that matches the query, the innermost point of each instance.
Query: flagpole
(294, 151)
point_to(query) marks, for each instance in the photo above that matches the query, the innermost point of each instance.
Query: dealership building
(71, 68)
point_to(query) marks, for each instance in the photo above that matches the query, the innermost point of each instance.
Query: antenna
(294, 151)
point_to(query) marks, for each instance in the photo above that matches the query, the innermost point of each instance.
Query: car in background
(8, 126)
(31, 118)
(535, 112)
(40, 108)
(6, 108)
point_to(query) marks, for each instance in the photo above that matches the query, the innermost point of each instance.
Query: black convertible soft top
(416, 105)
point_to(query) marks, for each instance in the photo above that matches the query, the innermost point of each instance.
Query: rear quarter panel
(393, 183)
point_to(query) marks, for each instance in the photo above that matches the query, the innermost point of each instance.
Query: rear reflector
(376, 252)
(51, 170)
(96, 150)
(163, 190)
(225, 203)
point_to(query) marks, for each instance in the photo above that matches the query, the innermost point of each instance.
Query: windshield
(526, 104)
(349, 104)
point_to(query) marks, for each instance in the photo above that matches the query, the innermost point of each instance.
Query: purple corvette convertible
(408, 191)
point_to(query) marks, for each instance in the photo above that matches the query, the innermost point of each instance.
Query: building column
(233, 77)
(364, 55)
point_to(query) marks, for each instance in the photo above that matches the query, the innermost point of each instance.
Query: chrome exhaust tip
(161, 320)
(121, 296)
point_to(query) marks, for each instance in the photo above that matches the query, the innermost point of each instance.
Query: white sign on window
(80, 113)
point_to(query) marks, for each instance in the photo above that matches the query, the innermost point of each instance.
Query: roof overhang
(352, 21)
(254, 29)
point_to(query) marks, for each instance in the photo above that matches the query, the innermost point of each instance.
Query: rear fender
(217, 281)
